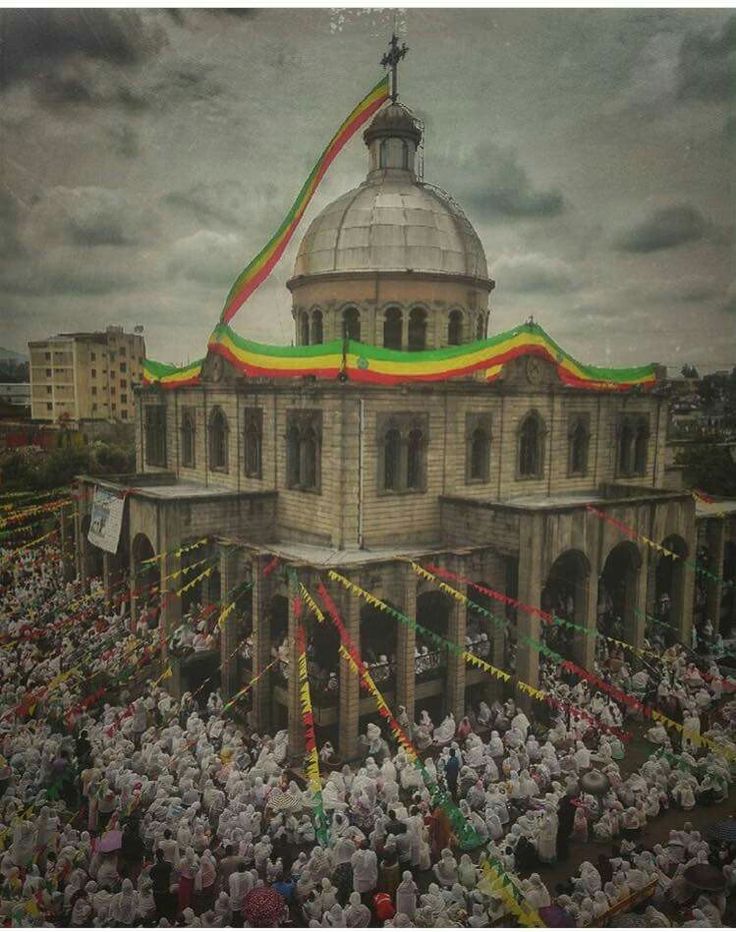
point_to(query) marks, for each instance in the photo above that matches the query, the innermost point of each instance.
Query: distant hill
(6, 354)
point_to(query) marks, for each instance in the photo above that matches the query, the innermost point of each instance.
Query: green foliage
(709, 467)
(40, 471)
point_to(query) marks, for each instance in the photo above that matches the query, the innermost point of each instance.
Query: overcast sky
(146, 156)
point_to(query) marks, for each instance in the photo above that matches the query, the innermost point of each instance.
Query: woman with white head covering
(124, 906)
(406, 895)
(535, 892)
(357, 915)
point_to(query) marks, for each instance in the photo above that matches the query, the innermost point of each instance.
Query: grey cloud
(534, 273)
(665, 228)
(228, 203)
(63, 271)
(493, 182)
(729, 305)
(9, 241)
(74, 86)
(190, 81)
(34, 40)
(208, 257)
(125, 141)
(707, 65)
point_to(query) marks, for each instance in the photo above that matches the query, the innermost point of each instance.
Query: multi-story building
(86, 376)
(323, 457)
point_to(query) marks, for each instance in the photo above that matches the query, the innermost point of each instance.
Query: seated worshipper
(446, 869)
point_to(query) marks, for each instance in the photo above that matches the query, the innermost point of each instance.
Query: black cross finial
(391, 60)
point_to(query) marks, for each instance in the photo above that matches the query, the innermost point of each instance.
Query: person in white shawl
(357, 916)
(406, 895)
(365, 870)
(535, 892)
(124, 906)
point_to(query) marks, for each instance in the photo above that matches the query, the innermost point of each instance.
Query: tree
(709, 467)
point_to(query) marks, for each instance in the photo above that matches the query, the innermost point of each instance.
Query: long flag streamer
(258, 270)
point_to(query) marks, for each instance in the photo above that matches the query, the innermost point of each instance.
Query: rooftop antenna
(391, 60)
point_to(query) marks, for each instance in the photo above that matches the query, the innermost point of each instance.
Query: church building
(399, 433)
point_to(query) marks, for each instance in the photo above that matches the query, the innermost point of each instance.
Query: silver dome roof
(392, 223)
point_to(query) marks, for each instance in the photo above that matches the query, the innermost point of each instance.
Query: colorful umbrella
(263, 907)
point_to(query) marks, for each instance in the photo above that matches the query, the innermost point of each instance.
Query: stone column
(716, 536)
(406, 641)
(294, 712)
(586, 610)
(635, 622)
(531, 530)
(170, 616)
(456, 629)
(261, 648)
(349, 701)
(230, 633)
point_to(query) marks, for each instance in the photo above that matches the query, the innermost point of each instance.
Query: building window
(303, 450)
(188, 457)
(49, 406)
(351, 324)
(478, 448)
(94, 389)
(218, 440)
(155, 435)
(417, 329)
(578, 444)
(455, 328)
(123, 383)
(402, 440)
(123, 367)
(316, 330)
(304, 328)
(94, 407)
(641, 444)
(531, 439)
(383, 154)
(94, 373)
(47, 357)
(253, 442)
(124, 415)
(392, 326)
(405, 155)
(49, 389)
(633, 443)
(122, 352)
(93, 356)
(392, 460)
(48, 373)
(123, 399)
(480, 331)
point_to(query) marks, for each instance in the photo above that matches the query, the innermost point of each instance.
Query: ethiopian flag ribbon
(260, 267)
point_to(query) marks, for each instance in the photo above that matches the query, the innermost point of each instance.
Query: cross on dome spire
(391, 60)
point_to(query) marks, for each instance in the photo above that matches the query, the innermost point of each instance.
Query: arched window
(253, 443)
(480, 448)
(351, 323)
(625, 451)
(303, 328)
(310, 446)
(641, 443)
(155, 435)
(392, 324)
(480, 332)
(218, 440)
(579, 441)
(293, 458)
(405, 155)
(455, 328)
(383, 154)
(187, 440)
(417, 329)
(316, 329)
(530, 446)
(392, 460)
(414, 458)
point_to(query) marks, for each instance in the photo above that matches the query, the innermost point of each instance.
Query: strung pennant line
(312, 605)
(311, 758)
(176, 553)
(193, 583)
(239, 695)
(503, 886)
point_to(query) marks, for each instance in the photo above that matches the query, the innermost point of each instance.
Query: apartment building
(86, 376)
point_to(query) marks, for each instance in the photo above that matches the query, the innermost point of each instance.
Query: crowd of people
(121, 805)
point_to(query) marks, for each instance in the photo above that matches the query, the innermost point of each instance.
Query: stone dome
(391, 223)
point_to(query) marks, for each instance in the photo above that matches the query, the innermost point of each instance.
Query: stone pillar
(586, 613)
(230, 633)
(294, 712)
(112, 575)
(716, 537)
(349, 701)
(635, 622)
(261, 649)
(170, 617)
(456, 629)
(531, 529)
(406, 639)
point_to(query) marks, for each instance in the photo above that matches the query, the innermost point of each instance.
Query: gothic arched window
(392, 325)
(303, 328)
(316, 330)
(455, 328)
(480, 450)
(641, 443)
(293, 459)
(417, 329)
(579, 439)
(187, 440)
(392, 460)
(351, 323)
(480, 331)
(383, 154)
(531, 432)
(155, 435)
(253, 443)
(414, 460)
(303, 443)
(218, 440)
(625, 448)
